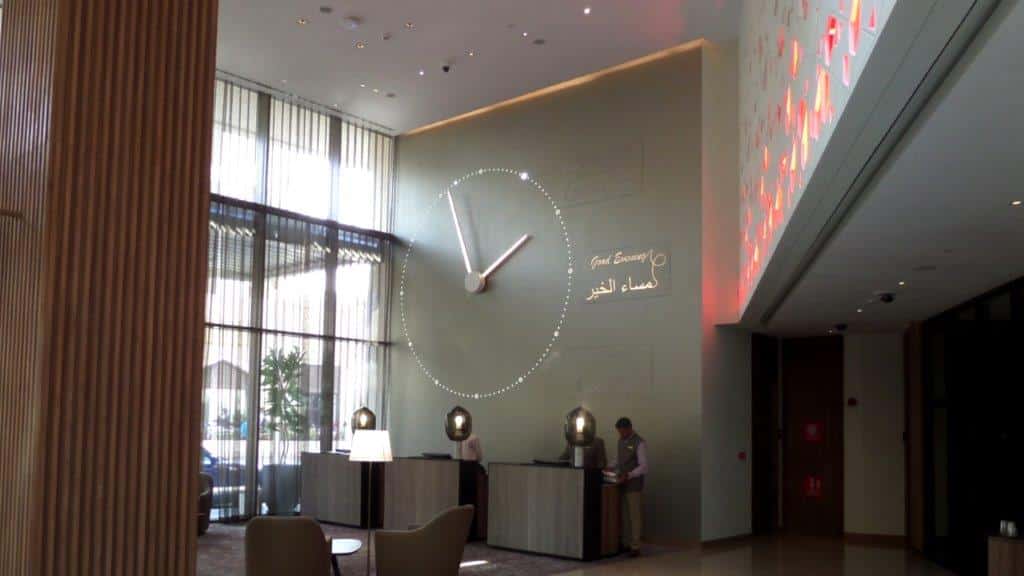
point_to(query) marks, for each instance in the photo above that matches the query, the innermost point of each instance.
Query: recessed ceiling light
(302, 21)
(362, 85)
(410, 26)
(360, 45)
(587, 10)
(376, 90)
(859, 310)
(1016, 202)
(422, 72)
(525, 34)
(470, 53)
(524, 175)
(284, 81)
(902, 283)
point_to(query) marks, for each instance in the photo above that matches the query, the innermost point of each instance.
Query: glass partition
(297, 298)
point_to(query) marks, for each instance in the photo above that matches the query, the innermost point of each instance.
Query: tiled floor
(221, 553)
(775, 557)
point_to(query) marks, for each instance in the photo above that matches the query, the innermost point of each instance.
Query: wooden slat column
(105, 135)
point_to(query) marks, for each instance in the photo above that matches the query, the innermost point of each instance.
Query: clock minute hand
(501, 259)
(458, 231)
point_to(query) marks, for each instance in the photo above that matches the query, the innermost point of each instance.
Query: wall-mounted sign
(627, 273)
(812, 486)
(814, 432)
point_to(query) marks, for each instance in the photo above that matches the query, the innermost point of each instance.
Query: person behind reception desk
(472, 449)
(630, 468)
(594, 456)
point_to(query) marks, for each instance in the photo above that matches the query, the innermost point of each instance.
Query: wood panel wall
(105, 134)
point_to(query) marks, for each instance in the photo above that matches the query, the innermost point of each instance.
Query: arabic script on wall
(627, 273)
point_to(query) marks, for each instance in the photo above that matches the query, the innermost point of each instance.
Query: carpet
(221, 552)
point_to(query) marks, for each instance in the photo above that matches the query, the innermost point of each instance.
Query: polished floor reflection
(789, 556)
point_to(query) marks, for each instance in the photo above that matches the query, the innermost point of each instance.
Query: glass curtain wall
(297, 296)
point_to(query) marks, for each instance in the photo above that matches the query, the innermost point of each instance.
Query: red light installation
(794, 68)
(781, 133)
(854, 27)
(831, 38)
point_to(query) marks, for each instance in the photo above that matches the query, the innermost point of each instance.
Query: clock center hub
(475, 282)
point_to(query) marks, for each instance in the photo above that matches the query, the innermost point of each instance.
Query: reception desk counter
(337, 491)
(418, 489)
(552, 510)
(406, 493)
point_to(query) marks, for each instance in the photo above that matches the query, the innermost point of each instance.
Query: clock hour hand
(458, 231)
(508, 253)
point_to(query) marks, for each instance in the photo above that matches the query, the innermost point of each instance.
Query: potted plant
(285, 421)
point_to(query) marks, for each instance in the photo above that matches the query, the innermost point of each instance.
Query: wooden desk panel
(611, 519)
(1005, 556)
(333, 489)
(418, 489)
(544, 509)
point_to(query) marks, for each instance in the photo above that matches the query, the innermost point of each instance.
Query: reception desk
(418, 489)
(559, 511)
(337, 491)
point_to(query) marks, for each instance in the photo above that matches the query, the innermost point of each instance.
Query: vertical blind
(297, 294)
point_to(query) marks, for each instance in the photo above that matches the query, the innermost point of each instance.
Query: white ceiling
(942, 200)
(261, 40)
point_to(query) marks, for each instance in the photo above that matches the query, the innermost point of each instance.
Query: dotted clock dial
(557, 324)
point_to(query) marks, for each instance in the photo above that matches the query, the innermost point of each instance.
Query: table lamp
(370, 446)
(458, 425)
(580, 428)
(364, 419)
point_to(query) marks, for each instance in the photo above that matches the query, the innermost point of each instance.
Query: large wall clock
(486, 279)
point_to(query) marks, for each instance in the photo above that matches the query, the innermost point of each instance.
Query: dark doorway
(765, 425)
(812, 407)
(980, 473)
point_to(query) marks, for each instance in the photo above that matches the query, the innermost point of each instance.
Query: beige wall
(873, 434)
(725, 370)
(621, 155)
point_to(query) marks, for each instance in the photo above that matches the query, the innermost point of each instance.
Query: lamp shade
(580, 427)
(364, 419)
(370, 446)
(458, 424)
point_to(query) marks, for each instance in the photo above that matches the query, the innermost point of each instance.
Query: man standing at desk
(630, 468)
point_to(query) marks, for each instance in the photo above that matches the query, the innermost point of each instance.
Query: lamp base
(458, 450)
(577, 457)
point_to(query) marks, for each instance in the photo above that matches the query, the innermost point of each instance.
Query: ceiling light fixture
(902, 283)
(470, 53)
(525, 34)
(586, 11)
(302, 21)
(376, 90)
(362, 85)
(1016, 203)
(410, 26)
(360, 45)
(859, 310)
(422, 72)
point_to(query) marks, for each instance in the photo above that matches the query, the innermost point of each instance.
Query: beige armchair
(433, 550)
(275, 546)
(205, 502)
